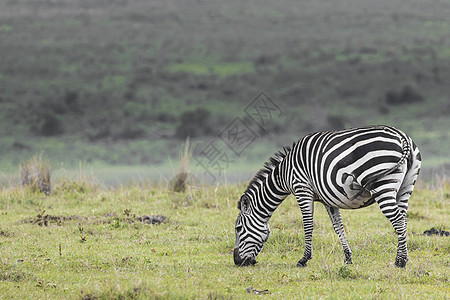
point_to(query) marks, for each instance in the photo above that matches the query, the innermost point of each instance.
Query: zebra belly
(354, 195)
(346, 203)
(350, 203)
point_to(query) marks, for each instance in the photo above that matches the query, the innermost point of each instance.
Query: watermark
(262, 110)
(216, 156)
(213, 160)
(238, 136)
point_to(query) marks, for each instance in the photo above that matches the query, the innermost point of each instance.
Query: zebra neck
(269, 195)
(269, 187)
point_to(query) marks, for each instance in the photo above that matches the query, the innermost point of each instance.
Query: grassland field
(112, 89)
(88, 242)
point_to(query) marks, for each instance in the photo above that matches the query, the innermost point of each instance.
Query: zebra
(346, 169)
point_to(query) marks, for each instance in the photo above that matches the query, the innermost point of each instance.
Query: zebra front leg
(307, 207)
(335, 216)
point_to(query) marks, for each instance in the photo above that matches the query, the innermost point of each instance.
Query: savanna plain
(119, 85)
(84, 241)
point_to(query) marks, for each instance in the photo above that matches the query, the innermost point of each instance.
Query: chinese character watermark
(213, 160)
(262, 110)
(236, 136)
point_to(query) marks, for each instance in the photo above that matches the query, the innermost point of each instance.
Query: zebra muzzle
(239, 261)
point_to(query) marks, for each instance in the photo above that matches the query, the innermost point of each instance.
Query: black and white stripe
(346, 169)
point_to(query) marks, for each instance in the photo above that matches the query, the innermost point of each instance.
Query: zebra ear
(244, 204)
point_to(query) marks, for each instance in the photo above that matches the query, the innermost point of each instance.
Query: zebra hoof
(302, 263)
(348, 258)
(400, 262)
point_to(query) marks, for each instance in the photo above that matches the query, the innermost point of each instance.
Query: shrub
(35, 174)
(194, 123)
(407, 95)
(50, 125)
(131, 131)
(71, 100)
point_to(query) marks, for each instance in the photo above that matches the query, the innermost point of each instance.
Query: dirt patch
(132, 219)
(158, 219)
(87, 296)
(6, 233)
(252, 290)
(434, 231)
(43, 219)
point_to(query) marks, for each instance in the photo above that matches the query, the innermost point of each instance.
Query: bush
(45, 118)
(194, 123)
(50, 125)
(407, 95)
(131, 131)
(35, 174)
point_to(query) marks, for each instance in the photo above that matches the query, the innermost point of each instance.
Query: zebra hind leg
(336, 220)
(409, 181)
(385, 194)
(404, 194)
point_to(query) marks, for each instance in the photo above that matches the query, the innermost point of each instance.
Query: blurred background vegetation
(120, 84)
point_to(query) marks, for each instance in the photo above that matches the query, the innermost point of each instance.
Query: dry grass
(35, 174)
(180, 182)
(83, 181)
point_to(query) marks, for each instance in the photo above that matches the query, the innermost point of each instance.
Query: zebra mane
(269, 165)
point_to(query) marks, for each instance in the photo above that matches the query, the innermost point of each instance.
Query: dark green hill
(124, 82)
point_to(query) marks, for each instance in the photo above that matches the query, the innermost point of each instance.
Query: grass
(35, 174)
(94, 246)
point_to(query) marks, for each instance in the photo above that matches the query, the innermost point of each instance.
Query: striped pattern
(346, 169)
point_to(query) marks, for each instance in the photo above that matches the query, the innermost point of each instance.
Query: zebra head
(251, 233)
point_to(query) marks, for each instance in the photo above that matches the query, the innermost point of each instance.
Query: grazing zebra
(346, 169)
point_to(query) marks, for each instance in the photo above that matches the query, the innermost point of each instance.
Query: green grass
(95, 246)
